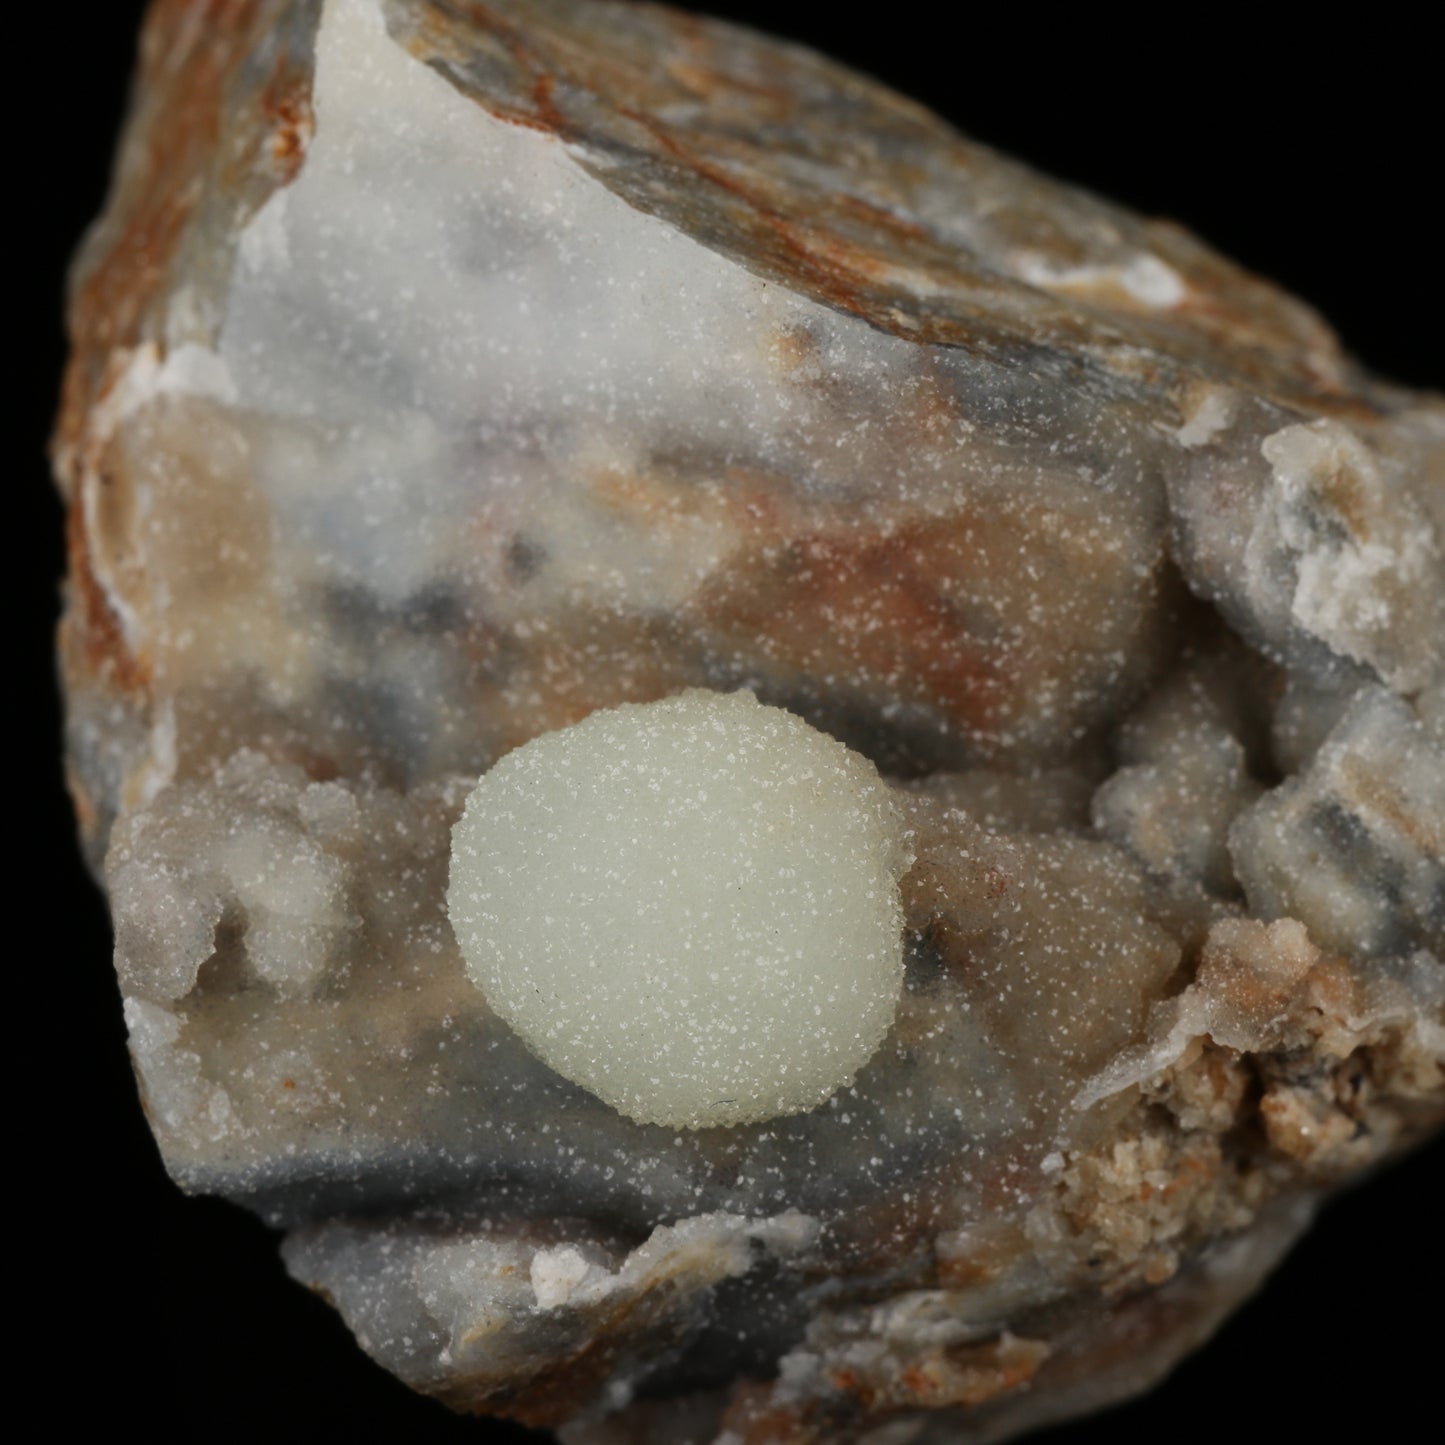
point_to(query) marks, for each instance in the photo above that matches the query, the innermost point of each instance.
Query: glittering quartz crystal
(444, 375)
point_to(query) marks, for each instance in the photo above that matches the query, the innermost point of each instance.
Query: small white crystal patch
(689, 907)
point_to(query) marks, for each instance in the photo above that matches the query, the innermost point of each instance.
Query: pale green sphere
(689, 907)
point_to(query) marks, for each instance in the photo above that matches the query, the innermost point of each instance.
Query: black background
(1309, 154)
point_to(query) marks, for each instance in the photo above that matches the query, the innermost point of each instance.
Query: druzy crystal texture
(448, 374)
(689, 907)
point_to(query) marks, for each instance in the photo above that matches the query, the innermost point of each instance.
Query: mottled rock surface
(443, 373)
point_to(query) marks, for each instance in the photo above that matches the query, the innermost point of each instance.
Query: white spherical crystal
(689, 907)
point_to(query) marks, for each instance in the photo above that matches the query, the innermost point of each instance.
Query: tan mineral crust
(445, 372)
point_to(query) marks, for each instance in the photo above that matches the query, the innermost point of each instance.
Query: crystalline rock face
(494, 402)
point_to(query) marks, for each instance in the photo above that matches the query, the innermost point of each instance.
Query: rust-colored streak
(531, 104)
(871, 607)
(91, 622)
(190, 53)
(754, 1417)
(828, 281)
(644, 76)
(565, 1387)
(106, 310)
(183, 63)
(542, 89)
(287, 104)
(880, 218)
(483, 18)
(960, 1375)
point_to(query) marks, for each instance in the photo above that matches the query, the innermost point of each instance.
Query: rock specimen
(444, 374)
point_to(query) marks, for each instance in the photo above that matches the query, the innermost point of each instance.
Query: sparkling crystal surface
(448, 374)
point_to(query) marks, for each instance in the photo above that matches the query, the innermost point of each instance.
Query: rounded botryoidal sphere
(689, 907)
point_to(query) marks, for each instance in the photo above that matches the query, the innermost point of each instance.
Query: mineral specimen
(446, 374)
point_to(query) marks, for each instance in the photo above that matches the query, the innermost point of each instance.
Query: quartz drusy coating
(689, 907)
(447, 374)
